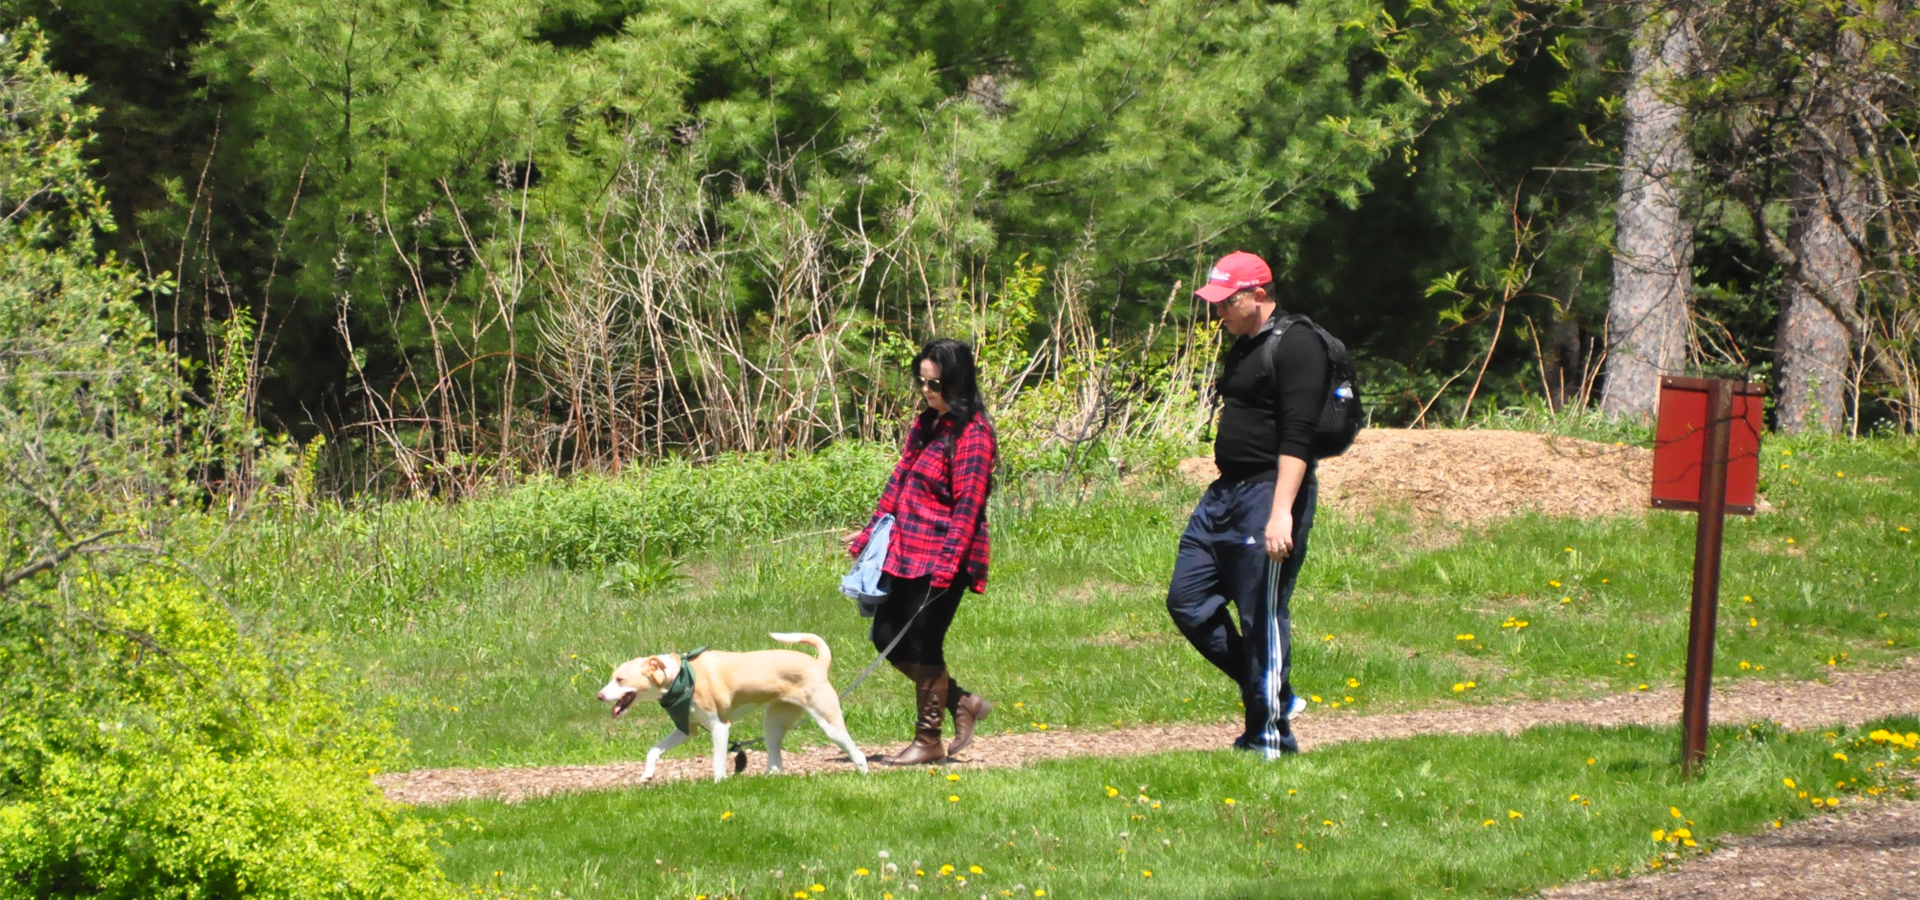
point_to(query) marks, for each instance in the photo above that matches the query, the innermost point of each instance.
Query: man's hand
(1286, 486)
(1280, 535)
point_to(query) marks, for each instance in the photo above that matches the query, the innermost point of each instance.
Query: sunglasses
(929, 384)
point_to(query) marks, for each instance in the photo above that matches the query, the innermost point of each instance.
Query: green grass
(1430, 817)
(491, 656)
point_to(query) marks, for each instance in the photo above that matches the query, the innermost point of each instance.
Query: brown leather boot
(930, 694)
(967, 709)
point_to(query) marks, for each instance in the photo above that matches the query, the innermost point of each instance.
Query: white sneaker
(1298, 706)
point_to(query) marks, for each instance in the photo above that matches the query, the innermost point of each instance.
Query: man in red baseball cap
(1248, 535)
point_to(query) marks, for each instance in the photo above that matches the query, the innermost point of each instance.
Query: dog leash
(894, 643)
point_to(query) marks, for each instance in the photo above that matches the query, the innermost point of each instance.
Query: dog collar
(678, 700)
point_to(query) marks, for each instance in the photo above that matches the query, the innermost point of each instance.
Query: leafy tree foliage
(399, 151)
(84, 390)
(147, 747)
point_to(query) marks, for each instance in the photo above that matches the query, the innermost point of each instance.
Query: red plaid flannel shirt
(939, 502)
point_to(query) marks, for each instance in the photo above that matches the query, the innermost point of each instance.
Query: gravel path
(1848, 698)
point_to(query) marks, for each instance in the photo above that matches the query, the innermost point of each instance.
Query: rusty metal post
(1709, 531)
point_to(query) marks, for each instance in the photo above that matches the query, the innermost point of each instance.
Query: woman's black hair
(959, 383)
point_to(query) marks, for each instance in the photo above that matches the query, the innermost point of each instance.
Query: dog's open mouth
(626, 700)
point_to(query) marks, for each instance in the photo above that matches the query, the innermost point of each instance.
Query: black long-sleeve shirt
(1266, 415)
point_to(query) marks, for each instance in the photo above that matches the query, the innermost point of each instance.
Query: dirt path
(1849, 698)
(1874, 852)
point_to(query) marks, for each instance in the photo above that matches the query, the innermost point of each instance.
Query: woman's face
(930, 386)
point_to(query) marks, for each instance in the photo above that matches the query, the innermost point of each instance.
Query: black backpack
(1341, 416)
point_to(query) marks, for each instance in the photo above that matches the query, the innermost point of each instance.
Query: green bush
(148, 749)
(676, 506)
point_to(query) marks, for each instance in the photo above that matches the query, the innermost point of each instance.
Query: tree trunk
(1648, 309)
(1813, 355)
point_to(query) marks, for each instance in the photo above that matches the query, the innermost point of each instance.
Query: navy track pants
(1222, 560)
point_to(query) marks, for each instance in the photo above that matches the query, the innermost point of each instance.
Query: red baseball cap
(1235, 272)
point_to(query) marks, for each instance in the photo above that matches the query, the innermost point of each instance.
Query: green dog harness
(678, 700)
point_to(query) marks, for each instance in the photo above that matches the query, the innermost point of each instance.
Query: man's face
(1242, 313)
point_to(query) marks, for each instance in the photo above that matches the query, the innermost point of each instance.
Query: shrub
(147, 749)
(675, 506)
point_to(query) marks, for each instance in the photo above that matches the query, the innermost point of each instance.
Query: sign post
(1706, 458)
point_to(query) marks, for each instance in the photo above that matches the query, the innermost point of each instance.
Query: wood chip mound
(1475, 476)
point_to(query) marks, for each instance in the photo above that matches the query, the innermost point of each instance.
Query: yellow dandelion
(1487, 824)
(1228, 801)
(1146, 873)
(1463, 637)
(1839, 756)
(1113, 791)
(726, 815)
(1674, 811)
(953, 798)
(1553, 584)
(1353, 682)
(976, 870)
(1513, 814)
(817, 888)
(953, 776)
(862, 872)
(800, 894)
(1659, 834)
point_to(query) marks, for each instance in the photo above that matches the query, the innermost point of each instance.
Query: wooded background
(464, 240)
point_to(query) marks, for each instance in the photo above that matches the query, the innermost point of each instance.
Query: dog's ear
(656, 670)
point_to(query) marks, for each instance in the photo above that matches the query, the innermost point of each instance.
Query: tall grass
(490, 621)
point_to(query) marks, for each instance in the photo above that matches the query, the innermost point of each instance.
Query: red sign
(1679, 445)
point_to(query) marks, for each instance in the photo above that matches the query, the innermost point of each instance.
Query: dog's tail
(800, 637)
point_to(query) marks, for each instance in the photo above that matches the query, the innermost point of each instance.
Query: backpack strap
(1268, 353)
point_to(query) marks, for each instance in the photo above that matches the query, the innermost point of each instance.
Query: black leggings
(926, 639)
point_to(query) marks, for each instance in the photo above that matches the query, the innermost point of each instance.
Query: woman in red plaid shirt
(938, 549)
